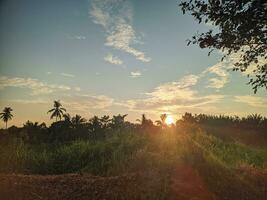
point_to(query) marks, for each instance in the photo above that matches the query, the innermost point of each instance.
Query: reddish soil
(67, 187)
(186, 184)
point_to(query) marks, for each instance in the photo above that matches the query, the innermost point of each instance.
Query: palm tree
(145, 122)
(105, 121)
(6, 115)
(162, 120)
(67, 117)
(57, 111)
(77, 121)
(118, 121)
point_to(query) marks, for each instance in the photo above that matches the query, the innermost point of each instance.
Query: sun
(169, 120)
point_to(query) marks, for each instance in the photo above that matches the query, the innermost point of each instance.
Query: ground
(185, 184)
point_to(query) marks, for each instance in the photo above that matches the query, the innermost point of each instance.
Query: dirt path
(186, 184)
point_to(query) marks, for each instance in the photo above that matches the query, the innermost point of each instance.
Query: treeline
(99, 128)
(253, 121)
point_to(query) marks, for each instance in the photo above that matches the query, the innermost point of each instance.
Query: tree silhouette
(57, 111)
(6, 115)
(241, 27)
(77, 121)
(145, 122)
(105, 120)
(162, 120)
(67, 117)
(118, 121)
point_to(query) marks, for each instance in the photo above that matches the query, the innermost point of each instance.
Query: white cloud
(78, 89)
(31, 101)
(79, 37)
(84, 104)
(76, 37)
(253, 101)
(136, 74)
(173, 96)
(35, 85)
(115, 16)
(220, 70)
(113, 59)
(67, 75)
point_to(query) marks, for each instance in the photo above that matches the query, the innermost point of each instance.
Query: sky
(113, 56)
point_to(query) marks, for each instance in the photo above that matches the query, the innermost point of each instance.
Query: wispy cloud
(37, 87)
(253, 101)
(113, 59)
(115, 16)
(79, 37)
(136, 74)
(76, 37)
(87, 105)
(173, 96)
(67, 75)
(84, 104)
(220, 71)
(77, 89)
(31, 101)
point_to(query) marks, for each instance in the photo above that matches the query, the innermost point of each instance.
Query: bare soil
(67, 187)
(185, 184)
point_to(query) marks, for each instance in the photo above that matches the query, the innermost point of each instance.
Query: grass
(93, 157)
(118, 154)
(155, 156)
(231, 154)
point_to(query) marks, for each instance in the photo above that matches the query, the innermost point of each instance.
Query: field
(187, 161)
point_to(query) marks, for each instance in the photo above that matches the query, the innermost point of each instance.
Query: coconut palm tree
(145, 122)
(57, 111)
(77, 121)
(118, 121)
(6, 115)
(162, 121)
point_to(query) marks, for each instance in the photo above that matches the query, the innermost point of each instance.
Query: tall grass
(122, 152)
(232, 154)
(79, 156)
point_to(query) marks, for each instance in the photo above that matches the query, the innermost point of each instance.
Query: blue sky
(110, 57)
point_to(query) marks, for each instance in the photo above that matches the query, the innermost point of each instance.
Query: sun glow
(169, 120)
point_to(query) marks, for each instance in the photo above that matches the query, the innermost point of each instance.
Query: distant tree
(57, 111)
(118, 121)
(67, 117)
(241, 27)
(145, 122)
(252, 121)
(188, 118)
(30, 124)
(33, 132)
(95, 124)
(105, 120)
(6, 115)
(77, 121)
(162, 121)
